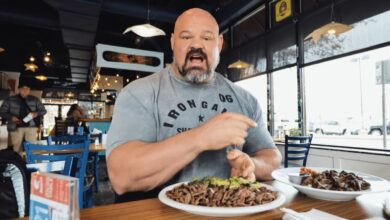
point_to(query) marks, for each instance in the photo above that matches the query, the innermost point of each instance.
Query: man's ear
(172, 41)
(220, 42)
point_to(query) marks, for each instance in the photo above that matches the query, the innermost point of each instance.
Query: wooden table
(369, 205)
(96, 148)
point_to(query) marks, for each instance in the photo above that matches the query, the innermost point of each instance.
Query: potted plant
(294, 132)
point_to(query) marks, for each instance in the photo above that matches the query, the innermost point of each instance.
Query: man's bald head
(194, 14)
(196, 45)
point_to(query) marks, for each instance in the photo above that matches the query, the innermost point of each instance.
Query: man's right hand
(223, 130)
(16, 120)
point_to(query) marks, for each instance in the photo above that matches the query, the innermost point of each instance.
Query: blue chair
(36, 153)
(67, 167)
(296, 148)
(93, 158)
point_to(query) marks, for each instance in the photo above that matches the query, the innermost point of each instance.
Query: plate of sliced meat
(331, 184)
(212, 196)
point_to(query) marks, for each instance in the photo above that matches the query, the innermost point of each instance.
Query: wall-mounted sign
(129, 58)
(283, 10)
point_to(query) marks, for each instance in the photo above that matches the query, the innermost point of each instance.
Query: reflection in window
(251, 26)
(285, 101)
(285, 57)
(257, 86)
(365, 33)
(344, 100)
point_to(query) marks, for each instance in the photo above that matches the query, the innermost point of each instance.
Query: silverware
(233, 147)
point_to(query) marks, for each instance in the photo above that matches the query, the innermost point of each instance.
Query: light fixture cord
(148, 11)
(332, 16)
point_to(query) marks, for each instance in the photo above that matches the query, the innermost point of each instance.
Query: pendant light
(239, 64)
(331, 28)
(145, 30)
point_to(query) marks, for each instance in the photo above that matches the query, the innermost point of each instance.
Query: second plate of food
(322, 188)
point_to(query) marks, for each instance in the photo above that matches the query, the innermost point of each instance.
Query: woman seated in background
(74, 115)
(75, 112)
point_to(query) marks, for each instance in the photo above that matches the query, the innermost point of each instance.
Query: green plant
(294, 132)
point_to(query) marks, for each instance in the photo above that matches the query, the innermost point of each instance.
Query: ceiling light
(108, 84)
(31, 66)
(127, 80)
(41, 77)
(102, 90)
(239, 64)
(115, 81)
(331, 31)
(117, 75)
(106, 78)
(331, 28)
(70, 94)
(32, 59)
(145, 30)
(46, 59)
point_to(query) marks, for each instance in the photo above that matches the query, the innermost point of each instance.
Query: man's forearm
(266, 161)
(141, 166)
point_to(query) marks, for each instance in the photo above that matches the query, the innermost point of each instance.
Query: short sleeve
(132, 120)
(259, 137)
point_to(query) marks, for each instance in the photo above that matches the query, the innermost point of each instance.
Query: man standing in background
(22, 113)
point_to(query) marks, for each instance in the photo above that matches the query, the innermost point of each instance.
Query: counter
(102, 124)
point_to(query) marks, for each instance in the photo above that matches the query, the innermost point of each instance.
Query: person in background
(75, 112)
(179, 123)
(23, 114)
(74, 115)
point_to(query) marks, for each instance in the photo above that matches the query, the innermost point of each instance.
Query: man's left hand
(34, 114)
(242, 165)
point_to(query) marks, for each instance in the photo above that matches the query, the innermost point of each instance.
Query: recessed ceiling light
(41, 77)
(30, 66)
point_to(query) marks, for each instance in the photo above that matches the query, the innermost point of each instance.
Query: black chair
(296, 148)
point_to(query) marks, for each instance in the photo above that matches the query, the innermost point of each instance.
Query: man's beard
(196, 74)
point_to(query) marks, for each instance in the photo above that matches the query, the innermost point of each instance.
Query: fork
(233, 147)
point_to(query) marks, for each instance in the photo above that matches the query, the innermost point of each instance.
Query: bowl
(297, 178)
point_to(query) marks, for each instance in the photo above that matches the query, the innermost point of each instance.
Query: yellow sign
(282, 10)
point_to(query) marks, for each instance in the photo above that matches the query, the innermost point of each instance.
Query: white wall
(378, 165)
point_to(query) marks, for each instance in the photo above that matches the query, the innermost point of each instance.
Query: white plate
(221, 211)
(377, 185)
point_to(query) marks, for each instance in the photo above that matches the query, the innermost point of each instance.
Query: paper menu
(28, 118)
(53, 196)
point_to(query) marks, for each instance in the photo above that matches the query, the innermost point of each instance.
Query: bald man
(177, 124)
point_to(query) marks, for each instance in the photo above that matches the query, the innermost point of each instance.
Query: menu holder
(53, 196)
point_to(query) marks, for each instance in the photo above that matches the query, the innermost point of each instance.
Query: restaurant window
(369, 28)
(249, 27)
(226, 40)
(257, 86)
(345, 100)
(281, 47)
(311, 5)
(285, 101)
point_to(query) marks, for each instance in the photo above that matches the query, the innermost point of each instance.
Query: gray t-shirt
(161, 105)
